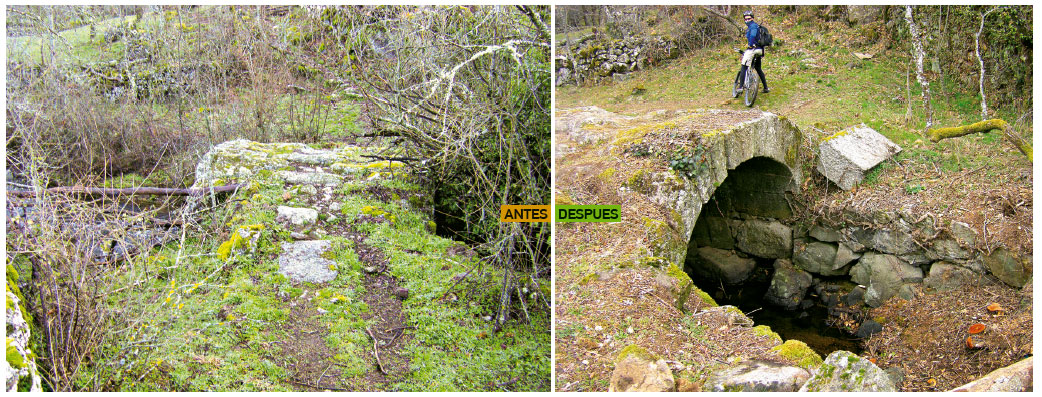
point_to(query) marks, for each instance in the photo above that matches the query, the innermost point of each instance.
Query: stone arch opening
(741, 252)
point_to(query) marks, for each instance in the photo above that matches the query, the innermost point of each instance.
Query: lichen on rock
(21, 372)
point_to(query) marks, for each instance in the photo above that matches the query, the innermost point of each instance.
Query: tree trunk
(919, 54)
(983, 126)
(983, 101)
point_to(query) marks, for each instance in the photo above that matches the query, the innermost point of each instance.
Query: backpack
(763, 37)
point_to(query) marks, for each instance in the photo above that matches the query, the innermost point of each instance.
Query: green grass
(75, 45)
(218, 326)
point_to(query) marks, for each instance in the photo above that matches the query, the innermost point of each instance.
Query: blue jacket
(751, 33)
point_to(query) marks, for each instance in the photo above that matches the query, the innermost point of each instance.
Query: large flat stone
(296, 216)
(757, 376)
(303, 261)
(849, 154)
(723, 265)
(765, 239)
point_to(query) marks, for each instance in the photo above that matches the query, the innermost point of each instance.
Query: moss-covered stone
(799, 352)
(684, 286)
(13, 357)
(637, 351)
(243, 237)
(766, 331)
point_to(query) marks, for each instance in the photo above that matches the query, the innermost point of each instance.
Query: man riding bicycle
(754, 53)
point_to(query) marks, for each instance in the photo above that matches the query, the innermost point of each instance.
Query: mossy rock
(240, 239)
(800, 353)
(589, 278)
(637, 351)
(564, 199)
(765, 330)
(684, 285)
(639, 181)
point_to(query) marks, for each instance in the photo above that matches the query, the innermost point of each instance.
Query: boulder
(1014, 378)
(640, 371)
(867, 328)
(894, 242)
(724, 265)
(296, 216)
(788, 285)
(863, 15)
(309, 178)
(1008, 267)
(757, 376)
(964, 234)
(844, 256)
(945, 276)
(844, 371)
(765, 239)
(825, 234)
(949, 250)
(884, 275)
(846, 156)
(817, 257)
(733, 316)
(303, 261)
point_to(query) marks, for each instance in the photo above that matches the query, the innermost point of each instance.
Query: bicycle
(751, 84)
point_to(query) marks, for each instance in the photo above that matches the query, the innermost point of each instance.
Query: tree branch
(150, 191)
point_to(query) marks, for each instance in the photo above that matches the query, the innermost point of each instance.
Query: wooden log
(979, 127)
(150, 191)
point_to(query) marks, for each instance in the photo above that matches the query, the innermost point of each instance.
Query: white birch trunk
(983, 101)
(919, 54)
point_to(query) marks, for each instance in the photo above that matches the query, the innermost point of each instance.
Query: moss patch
(799, 352)
(637, 351)
(766, 331)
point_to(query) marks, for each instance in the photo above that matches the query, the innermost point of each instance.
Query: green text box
(587, 213)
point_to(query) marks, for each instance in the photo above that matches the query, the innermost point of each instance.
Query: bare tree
(983, 101)
(919, 54)
(468, 89)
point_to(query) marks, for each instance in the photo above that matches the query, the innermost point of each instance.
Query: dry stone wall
(594, 58)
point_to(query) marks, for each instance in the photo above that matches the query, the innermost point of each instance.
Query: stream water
(808, 325)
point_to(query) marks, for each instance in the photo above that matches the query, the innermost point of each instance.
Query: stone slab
(849, 154)
(303, 261)
(758, 376)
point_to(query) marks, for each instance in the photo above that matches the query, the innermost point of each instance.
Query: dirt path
(387, 329)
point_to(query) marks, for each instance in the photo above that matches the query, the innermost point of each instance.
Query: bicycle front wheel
(752, 86)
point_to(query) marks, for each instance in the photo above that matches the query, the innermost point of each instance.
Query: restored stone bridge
(711, 197)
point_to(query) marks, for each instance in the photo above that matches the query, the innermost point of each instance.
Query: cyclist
(754, 53)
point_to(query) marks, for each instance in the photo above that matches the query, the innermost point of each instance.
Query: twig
(315, 386)
(399, 335)
(389, 158)
(376, 352)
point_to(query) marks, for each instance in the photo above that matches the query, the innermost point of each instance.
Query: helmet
(747, 14)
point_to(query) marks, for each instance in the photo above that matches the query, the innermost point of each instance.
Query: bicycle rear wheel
(752, 86)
